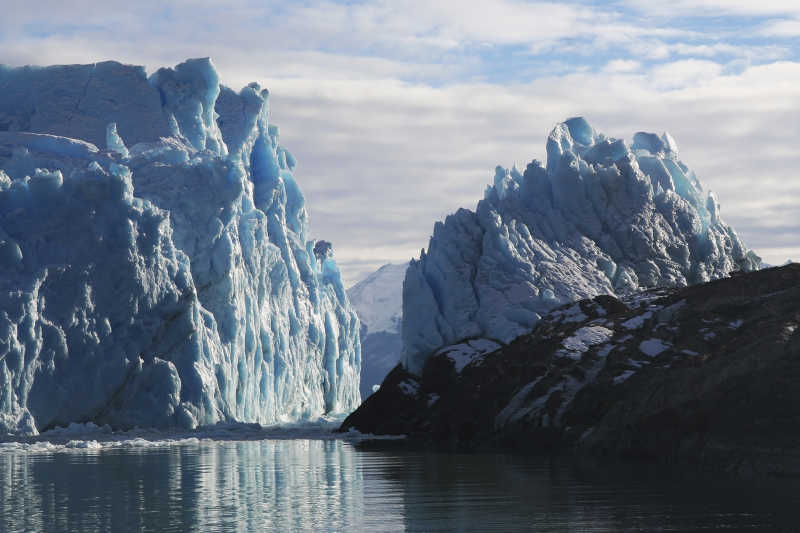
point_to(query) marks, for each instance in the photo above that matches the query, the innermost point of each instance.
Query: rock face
(705, 373)
(156, 267)
(378, 300)
(602, 217)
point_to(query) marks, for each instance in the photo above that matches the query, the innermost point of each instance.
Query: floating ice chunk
(84, 444)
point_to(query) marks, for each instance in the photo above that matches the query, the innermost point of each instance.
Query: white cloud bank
(398, 112)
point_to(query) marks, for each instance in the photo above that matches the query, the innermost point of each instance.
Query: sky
(398, 111)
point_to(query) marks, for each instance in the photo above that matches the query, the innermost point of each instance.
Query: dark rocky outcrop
(708, 373)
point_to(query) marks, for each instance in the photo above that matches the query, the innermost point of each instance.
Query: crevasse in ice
(155, 265)
(602, 217)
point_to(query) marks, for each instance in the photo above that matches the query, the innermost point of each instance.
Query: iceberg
(157, 269)
(602, 216)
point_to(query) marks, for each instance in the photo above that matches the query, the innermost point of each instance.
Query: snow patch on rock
(468, 352)
(653, 347)
(584, 338)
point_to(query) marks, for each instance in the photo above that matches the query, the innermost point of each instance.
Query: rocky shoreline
(703, 374)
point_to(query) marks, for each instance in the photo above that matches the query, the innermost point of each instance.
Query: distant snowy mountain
(378, 300)
(602, 217)
(155, 267)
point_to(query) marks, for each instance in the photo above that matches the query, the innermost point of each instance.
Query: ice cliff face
(602, 217)
(378, 300)
(156, 267)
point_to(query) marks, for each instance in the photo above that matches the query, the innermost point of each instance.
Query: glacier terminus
(602, 216)
(157, 268)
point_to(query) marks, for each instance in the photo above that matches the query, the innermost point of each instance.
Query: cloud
(715, 8)
(781, 28)
(398, 111)
(623, 65)
(688, 72)
(409, 154)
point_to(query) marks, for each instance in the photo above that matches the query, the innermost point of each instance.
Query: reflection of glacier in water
(330, 485)
(281, 485)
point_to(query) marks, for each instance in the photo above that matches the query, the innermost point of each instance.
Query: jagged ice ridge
(602, 217)
(167, 279)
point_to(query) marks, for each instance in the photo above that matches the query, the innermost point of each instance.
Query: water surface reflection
(324, 485)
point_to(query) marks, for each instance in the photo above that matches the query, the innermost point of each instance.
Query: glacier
(156, 264)
(601, 216)
(378, 300)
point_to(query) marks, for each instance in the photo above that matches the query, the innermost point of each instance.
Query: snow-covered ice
(601, 216)
(157, 266)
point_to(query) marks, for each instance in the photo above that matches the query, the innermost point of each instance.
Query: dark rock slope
(707, 373)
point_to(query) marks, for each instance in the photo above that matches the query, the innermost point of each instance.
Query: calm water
(324, 485)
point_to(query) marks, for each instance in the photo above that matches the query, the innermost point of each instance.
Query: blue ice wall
(155, 267)
(601, 217)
